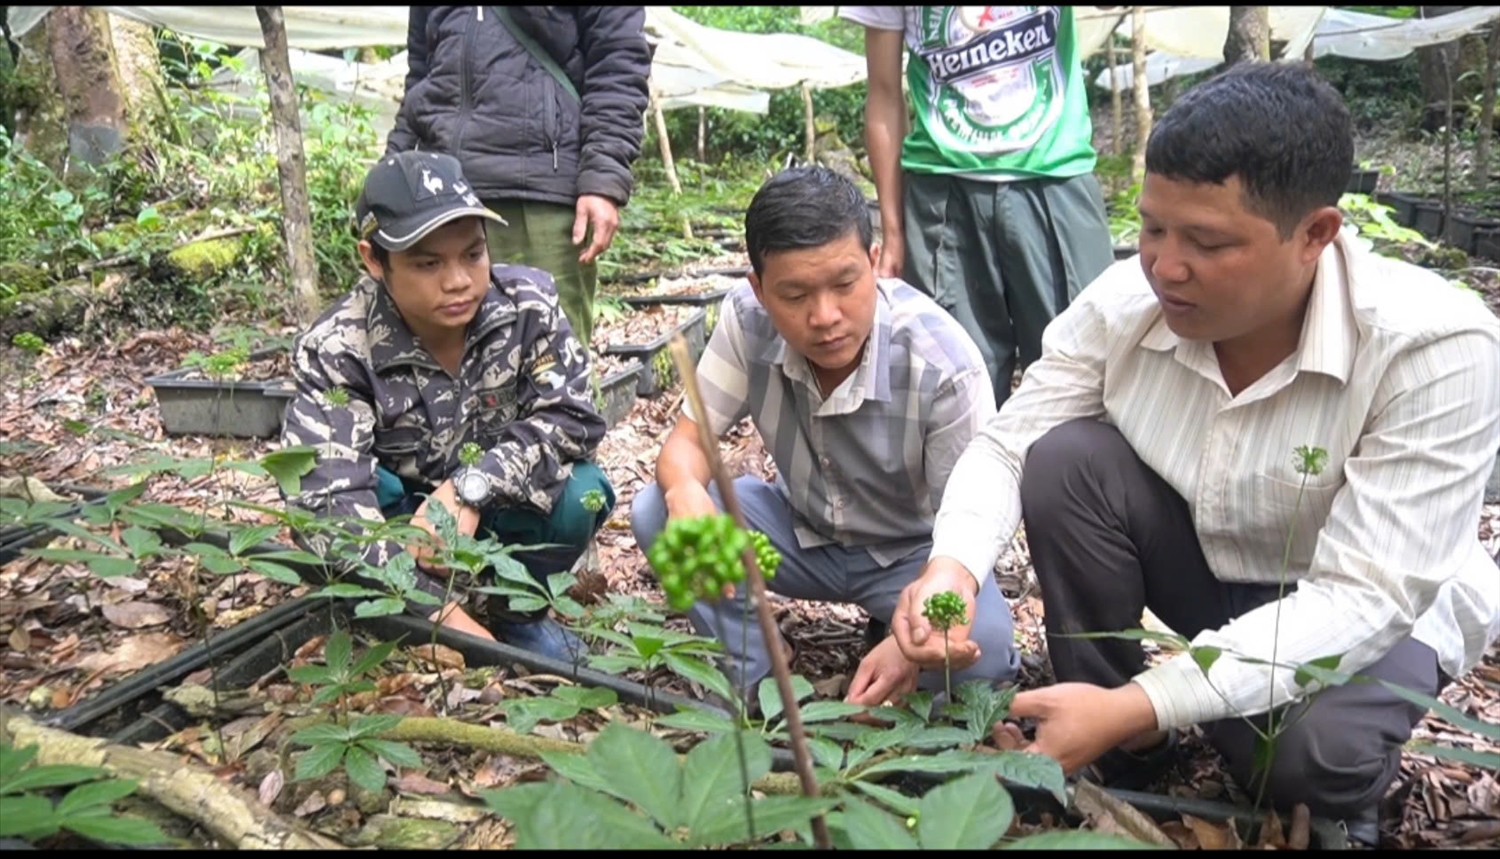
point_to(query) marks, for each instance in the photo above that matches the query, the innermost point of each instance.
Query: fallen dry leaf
(414, 782)
(314, 803)
(135, 615)
(399, 705)
(62, 696)
(439, 655)
(20, 640)
(1213, 836)
(270, 787)
(134, 653)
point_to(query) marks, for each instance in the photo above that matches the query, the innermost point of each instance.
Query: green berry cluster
(470, 454)
(697, 557)
(945, 610)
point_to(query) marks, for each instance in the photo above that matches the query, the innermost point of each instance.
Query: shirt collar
(392, 341)
(1329, 336)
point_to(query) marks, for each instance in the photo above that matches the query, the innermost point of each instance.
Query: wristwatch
(472, 486)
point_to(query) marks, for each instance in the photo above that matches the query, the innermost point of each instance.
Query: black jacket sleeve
(402, 137)
(616, 67)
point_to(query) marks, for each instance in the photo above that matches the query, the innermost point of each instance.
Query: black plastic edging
(476, 651)
(166, 673)
(239, 672)
(643, 276)
(696, 299)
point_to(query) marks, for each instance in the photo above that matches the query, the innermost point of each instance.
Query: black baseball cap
(410, 194)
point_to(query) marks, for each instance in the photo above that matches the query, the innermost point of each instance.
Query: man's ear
(1321, 227)
(875, 255)
(755, 285)
(372, 265)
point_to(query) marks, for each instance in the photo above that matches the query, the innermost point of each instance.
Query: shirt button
(823, 461)
(839, 504)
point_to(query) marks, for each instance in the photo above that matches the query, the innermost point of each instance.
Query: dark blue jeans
(568, 529)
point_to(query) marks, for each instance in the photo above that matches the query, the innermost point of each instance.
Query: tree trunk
(702, 133)
(1486, 131)
(139, 64)
(41, 115)
(1142, 92)
(1430, 64)
(1116, 108)
(811, 129)
(1249, 35)
(83, 62)
(296, 219)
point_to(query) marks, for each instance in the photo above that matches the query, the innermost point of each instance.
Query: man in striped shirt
(865, 392)
(1150, 453)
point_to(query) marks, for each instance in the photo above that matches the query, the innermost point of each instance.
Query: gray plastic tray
(207, 407)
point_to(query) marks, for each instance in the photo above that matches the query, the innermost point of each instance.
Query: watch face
(472, 487)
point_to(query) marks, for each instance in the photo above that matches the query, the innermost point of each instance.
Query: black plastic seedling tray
(658, 371)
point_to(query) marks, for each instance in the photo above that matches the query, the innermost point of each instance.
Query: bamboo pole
(1142, 92)
(811, 130)
(665, 144)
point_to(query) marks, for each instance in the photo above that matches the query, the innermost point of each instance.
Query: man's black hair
(1278, 126)
(381, 256)
(804, 207)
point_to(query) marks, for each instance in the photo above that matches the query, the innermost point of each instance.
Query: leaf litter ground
(83, 409)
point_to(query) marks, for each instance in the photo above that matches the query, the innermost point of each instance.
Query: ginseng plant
(945, 610)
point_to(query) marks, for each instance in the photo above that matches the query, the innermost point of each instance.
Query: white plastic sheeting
(1186, 40)
(694, 65)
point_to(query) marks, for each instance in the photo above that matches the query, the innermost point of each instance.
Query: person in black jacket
(544, 108)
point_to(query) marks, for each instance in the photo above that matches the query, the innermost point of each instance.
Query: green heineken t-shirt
(998, 91)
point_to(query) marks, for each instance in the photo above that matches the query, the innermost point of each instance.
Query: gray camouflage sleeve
(557, 422)
(341, 429)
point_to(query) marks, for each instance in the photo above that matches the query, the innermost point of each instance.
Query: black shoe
(1365, 827)
(1124, 770)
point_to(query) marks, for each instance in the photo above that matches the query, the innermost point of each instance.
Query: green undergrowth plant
(28, 812)
(351, 741)
(564, 702)
(1374, 223)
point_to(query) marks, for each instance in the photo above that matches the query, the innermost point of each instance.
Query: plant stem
(801, 758)
(432, 641)
(1286, 559)
(947, 676)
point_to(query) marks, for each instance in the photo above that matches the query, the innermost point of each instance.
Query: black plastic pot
(1464, 227)
(1403, 204)
(645, 276)
(207, 407)
(1125, 251)
(1429, 220)
(1362, 182)
(658, 372)
(1487, 244)
(617, 393)
(697, 299)
(1492, 488)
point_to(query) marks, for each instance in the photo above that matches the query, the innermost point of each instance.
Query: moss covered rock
(22, 278)
(206, 259)
(389, 832)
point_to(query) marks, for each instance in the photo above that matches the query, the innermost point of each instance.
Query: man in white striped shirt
(1150, 453)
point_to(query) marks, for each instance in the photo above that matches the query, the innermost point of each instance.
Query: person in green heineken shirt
(988, 203)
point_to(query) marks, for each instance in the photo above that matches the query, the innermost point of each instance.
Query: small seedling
(945, 610)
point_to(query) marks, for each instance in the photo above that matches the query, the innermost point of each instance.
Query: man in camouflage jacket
(432, 350)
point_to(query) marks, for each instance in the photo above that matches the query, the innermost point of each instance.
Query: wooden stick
(123, 259)
(801, 759)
